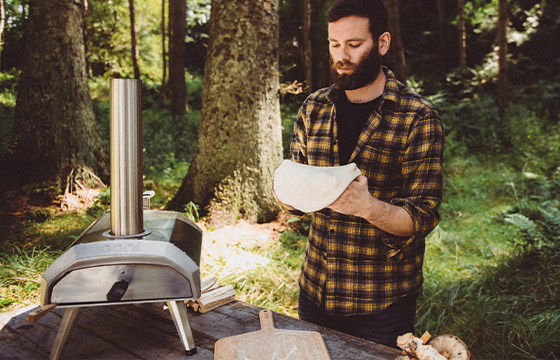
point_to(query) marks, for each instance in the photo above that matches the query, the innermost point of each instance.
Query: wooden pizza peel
(270, 343)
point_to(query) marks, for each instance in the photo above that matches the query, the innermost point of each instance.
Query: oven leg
(178, 311)
(63, 331)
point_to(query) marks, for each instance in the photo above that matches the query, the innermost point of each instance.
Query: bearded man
(362, 270)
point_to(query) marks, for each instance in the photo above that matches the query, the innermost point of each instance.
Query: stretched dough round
(311, 188)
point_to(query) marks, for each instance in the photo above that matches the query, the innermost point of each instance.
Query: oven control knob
(117, 291)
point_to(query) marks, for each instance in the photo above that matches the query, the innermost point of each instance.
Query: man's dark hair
(374, 10)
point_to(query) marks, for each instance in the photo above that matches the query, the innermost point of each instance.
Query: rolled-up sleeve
(422, 174)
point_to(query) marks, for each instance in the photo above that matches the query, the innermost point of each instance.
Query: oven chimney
(126, 158)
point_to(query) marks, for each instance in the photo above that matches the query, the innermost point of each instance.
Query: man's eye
(354, 46)
(335, 45)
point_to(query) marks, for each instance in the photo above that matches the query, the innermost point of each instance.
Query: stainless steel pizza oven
(132, 254)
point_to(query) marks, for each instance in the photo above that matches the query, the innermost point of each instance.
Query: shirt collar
(390, 92)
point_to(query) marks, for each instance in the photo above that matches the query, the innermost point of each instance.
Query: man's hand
(357, 201)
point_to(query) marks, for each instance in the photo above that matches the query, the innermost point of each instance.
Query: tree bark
(55, 130)
(239, 139)
(133, 44)
(462, 36)
(396, 40)
(307, 43)
(441, 19)
(177, 33)
(503, 101)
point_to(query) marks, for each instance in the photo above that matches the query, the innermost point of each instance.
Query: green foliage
(534, 138)
(108, 38)
(492, 270)
(8, 83)
(481, 14)
(16, 15)
(195, 83)
(536, 213)
(289, 111)
(504, 312)
(168, 143)
(191, 211)
(20, 273)
(42, 214)
(39, 192)
(474, 124)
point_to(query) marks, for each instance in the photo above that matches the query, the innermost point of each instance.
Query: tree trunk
(503, 101)
(462, 36)
(321, 69)
(441, 20)
(396, 40)
(163, 51)
(239, 139)
(307, 43)
(134, 45)
(177, 33)
(55, 130)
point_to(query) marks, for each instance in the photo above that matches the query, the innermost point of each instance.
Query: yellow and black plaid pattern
(350, 266)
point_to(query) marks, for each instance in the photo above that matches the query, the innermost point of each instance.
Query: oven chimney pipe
(126, 158)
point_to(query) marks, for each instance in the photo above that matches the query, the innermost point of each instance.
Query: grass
(262, 274)
(20, 273)
(480, 283)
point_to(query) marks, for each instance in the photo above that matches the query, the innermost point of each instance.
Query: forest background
(492, 269)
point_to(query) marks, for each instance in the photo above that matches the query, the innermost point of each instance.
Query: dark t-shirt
(351, 118)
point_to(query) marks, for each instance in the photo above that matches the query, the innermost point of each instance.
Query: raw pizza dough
(311, 188)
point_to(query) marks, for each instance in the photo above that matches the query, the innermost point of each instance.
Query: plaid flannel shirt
(350, 266)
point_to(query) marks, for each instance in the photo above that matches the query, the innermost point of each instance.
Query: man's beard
(364, 72)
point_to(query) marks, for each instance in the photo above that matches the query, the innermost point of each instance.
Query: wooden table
(146, 331)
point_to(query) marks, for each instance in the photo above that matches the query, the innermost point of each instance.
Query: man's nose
(343, 54)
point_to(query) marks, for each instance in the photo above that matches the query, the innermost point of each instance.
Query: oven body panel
(159, 266)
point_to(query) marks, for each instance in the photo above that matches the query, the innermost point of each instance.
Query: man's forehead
(349, 28)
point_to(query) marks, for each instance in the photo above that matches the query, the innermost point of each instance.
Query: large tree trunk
(177, 33)
(133, 45)
(396, 40)
(503, 102)
(462, 36)
(307, 43)
(239, 139)
(55, 130)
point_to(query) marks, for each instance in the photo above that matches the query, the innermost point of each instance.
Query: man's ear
(384, 42)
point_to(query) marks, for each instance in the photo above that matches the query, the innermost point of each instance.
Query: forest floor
(244, 232)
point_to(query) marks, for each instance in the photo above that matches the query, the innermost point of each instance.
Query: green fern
(531, 233)
(551, 220)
